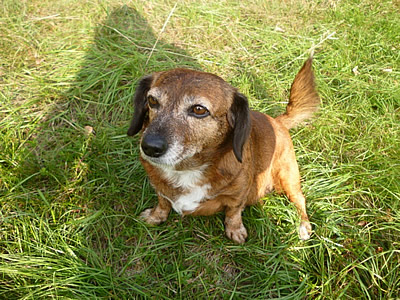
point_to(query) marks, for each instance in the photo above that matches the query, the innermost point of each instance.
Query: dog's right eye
(199, 111)
(152, 101)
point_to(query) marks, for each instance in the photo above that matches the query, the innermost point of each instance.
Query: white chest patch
(193, 192)
(190, 201)
(184, 179)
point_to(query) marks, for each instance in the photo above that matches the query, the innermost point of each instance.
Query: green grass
(70, 200)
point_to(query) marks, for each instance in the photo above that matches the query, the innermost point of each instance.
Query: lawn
(72, 188)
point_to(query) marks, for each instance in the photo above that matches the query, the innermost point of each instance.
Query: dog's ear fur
(140, 104)
(239, 119)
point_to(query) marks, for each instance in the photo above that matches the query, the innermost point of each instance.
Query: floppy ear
(239, 119)
(140, 104)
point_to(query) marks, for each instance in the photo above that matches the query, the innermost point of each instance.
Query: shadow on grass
(83, 144)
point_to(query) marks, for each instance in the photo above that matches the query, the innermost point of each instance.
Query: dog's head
(185, 112)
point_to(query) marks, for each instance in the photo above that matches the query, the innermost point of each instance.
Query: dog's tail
(304, 99)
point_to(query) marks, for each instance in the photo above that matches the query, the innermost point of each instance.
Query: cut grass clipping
(71, 186)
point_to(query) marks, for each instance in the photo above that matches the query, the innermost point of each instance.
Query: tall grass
(71, 186)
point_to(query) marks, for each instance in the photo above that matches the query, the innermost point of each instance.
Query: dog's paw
(305, 230)
(150, 218)
(238, 235)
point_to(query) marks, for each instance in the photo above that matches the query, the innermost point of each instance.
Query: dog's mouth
(165, 155)
(160, 150)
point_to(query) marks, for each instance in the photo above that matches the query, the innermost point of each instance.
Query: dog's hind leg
(289, 179)
(300, 202)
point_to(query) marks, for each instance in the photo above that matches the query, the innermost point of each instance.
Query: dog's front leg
(234, 228)
(158, 214)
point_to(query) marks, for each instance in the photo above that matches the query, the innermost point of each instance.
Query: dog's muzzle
(154, 145)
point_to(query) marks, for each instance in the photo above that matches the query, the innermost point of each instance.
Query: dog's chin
(161, 161)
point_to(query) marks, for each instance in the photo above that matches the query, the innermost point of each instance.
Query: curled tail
(304, 99)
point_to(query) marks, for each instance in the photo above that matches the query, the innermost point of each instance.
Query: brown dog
(205, 151)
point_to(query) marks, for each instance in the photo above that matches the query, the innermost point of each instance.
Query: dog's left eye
(152, 101)
(199, 111)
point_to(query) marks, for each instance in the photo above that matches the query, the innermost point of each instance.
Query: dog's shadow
(81, 157)
(83, 138)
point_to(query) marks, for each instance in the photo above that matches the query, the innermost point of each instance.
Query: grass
(70, 199)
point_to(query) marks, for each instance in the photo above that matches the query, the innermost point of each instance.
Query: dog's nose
(154, 145)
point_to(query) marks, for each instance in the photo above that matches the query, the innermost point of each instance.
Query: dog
(205, 151)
